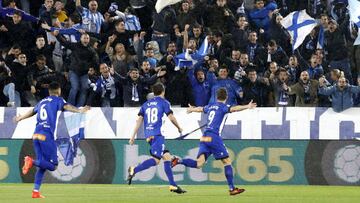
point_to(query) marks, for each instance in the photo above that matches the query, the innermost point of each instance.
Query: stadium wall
(276, 152)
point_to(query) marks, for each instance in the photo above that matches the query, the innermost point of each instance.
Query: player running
(151, 113)
(211, 142)
(43, 138)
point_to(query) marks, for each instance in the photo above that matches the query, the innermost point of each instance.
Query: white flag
(161, 4)
(299, 24)
(354, 11)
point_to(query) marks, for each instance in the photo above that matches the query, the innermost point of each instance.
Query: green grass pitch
(66, 193)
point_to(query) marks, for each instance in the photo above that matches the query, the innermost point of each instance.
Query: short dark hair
(223, 66)
(40, 36)
(75, 18)
(171, 42)
(197, 25)
(16, 46)
(221, 94)
(218, 33)
(146, 61)
(54, 86)
(40, 58)
(119, 21)
(158, 88)
(282, 70)
(272, 43)
(323, 14)
(253, 31)
(133, 69)
(17, 12)
(7, 3)
(250, 69)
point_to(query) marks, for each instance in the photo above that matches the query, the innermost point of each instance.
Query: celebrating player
(211, 142)
(43, 138)
(151, 112)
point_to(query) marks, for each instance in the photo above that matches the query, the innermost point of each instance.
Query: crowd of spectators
(108, 53)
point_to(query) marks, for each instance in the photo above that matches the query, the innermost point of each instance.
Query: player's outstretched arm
(137, 126)
(191, 109)
(71, 108)
(174, 121)
(250, 105)
(28, 114)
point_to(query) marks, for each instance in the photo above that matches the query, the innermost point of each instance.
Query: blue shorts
(213, 145)
(157, 146)
(45, 149)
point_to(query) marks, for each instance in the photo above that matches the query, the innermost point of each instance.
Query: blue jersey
(233, 89)
(153, 111)
(47, 110)
(217, 113)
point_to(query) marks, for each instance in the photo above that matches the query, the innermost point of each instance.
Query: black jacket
(20, 73)
(4, 77)
(81, 58)
(21, 34)
(257, 91)
(141, 83)
(335, 44)
(47, 51)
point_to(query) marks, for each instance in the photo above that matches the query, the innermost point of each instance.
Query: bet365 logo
(4, 167)
(251, 164)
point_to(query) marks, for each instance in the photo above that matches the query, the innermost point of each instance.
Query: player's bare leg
(229, 177)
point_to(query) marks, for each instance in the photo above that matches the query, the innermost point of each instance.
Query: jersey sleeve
(226, 108)
(167, 108)
(206, 109)
(36, 107)
(61, 103)
(141, 111)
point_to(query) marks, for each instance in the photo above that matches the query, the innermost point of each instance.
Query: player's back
(46, 117)
(153, 111)
(217, 113)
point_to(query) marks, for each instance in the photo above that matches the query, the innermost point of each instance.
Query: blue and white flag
(299, 24)
(68, 144)
(131, 21)
(354, 11)
(190, 59)
(321, 37)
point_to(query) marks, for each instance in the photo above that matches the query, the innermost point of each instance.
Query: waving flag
(160, 4)
(68, 144)
(321, 37)
(299, 24)
(354, 11)
(190, 59)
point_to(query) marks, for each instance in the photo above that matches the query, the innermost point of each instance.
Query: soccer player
(211, 142)
(151, 113)
(43, 138)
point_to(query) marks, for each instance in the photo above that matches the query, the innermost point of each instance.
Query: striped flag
(190, 59)
(299, 24)
(68, 144)
(321, 37)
